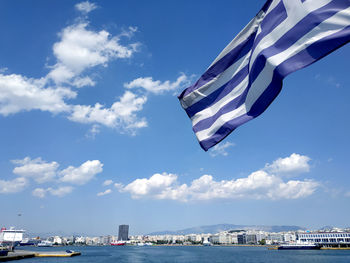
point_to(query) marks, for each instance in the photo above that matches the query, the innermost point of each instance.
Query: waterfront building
(57, 240)
(234, 238)
(80, 240)
(260, 235)
(326, 238)
(275, 237)
(225, 238)
(287, 238)
(123, 233)
(193, 238)
(241, 239)
(251, 239)
(214, 239)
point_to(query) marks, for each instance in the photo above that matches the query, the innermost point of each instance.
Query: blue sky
(92, 134)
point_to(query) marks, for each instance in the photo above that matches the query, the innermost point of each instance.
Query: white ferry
(45, 243)
(300, 245)
(11, 236)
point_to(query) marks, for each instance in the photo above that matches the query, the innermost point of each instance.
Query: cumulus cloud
(295, 163)
(80, 49)
(77, 52)
(41, 172)
(18, 93)
(108, 191)
(85, 7)
(107, 182)
(13, 186)
(36, 169)
(260, 184)
(156, 86)
(60, 191)
(82, 174)
(155, 185)
(221, 149)
(121, 115)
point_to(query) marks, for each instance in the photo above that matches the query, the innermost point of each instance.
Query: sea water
(193, 254)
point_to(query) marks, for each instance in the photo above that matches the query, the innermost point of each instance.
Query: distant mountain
(226, 227)
(326, 228)
(50, 234)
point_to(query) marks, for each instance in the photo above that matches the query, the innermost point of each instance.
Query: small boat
(206, 243)
(118, 243)
(45, 243)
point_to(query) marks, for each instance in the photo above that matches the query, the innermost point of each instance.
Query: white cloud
(107, 182)
(37, 169)
(43, 172)
(13, 186)
(122, 114)
(81, 48)
(60, 191)
(130, 32)
(119, 186)
(95, 129)
(156, 86)
(82, 174)
(82, 82)
(108, 191)
(154, 186)
(295, 163)
(39, 192)
(347, 194)
(260, 184)
(18, 93)
(220, 149)
(78, 50)
(85, 7)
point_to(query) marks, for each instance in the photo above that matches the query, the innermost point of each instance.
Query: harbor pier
(21, 254)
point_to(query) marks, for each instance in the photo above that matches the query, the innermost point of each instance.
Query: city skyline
(93, 135)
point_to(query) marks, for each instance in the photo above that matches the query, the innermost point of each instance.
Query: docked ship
(45, 243)
(118, 243)
(28, 242)
(299, 246)
(11, 237)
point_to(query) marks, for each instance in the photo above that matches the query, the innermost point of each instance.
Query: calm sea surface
(193, 255)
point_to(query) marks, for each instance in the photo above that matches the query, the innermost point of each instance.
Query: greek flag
(286, 35)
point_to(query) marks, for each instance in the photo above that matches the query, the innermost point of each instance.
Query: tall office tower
(123, 233)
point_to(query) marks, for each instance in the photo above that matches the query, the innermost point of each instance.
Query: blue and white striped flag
(286, 35)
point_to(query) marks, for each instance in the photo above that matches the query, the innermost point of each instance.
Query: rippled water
(194, 254)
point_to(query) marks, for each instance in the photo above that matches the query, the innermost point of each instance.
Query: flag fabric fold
(286, 35)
